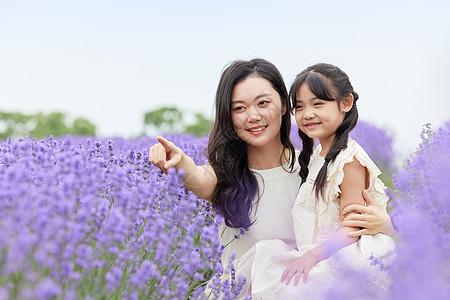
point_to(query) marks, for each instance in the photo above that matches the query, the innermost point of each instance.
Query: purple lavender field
(92, 219)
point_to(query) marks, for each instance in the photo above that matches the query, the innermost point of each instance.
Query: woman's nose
(254, 115)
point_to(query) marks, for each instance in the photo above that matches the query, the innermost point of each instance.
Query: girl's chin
(311, 136)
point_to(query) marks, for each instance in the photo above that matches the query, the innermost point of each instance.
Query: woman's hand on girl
(371, 219)
(165, 154)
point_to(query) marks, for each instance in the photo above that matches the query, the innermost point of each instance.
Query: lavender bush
(93, 219)
(421, 218)
(378, 144)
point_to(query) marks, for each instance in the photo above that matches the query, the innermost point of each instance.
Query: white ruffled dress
(350, 271)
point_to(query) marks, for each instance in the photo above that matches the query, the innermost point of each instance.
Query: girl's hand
(371, 219)
(165, 154)
(301, 265)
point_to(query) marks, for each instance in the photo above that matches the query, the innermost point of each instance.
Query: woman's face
(256, 112)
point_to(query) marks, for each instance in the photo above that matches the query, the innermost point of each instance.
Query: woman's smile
(255, 130)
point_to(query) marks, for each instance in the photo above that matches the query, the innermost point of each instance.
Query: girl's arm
(371, 219)
(201, 180)
(352, 186)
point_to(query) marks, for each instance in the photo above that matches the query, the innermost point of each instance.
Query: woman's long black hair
(237, 186)
(330, 83)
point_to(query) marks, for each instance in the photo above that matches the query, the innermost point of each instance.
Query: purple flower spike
(47, 289)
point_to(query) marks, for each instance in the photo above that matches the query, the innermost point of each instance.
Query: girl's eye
(318, 103)
(263, 102)
(237, 108)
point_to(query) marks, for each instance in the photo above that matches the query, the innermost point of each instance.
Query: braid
(305, 155)
(339, 144)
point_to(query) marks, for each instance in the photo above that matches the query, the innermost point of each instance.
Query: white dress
(347, 272)
(278, 189)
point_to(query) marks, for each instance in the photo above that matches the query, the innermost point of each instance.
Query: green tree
(170, 119)
(82, 126)
(164, 119)
(201, 127)
(40, 125)
(15, 124)
(54, 124)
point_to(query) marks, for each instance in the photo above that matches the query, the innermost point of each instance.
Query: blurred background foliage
(159, 121)
(16, 124)
(172, 120)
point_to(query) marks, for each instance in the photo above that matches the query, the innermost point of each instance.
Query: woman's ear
(283, 109)
(347, 103)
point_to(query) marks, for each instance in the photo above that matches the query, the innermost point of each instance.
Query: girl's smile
(312, 125)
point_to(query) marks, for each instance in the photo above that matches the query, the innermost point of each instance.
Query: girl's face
(319, 119)
(256, 112)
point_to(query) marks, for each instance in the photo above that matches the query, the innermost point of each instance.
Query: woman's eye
(263, 102)
(318, 103)
(298, 107)
(237, 108)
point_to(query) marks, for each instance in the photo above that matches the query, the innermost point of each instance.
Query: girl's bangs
(320, 86)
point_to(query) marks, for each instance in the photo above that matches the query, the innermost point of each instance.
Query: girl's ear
(347, 103)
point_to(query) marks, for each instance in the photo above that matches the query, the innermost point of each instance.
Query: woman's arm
(201, 180)
(352, 185)
(370, 218)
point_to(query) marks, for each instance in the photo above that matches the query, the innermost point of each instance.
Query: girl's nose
(308, 114)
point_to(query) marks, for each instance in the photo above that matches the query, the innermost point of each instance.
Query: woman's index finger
(165, 143)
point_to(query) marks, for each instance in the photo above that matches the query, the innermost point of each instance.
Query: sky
(113, 61)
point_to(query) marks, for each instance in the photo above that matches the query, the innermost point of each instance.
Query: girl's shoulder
(335, 173)
(354, 151)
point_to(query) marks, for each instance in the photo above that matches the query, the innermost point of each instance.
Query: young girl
(252, 176)
(333, 177)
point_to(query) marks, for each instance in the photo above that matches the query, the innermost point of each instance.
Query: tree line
(171, 119)
(40, 125)
(16, 124)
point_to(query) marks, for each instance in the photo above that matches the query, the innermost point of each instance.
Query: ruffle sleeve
(376, 189)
